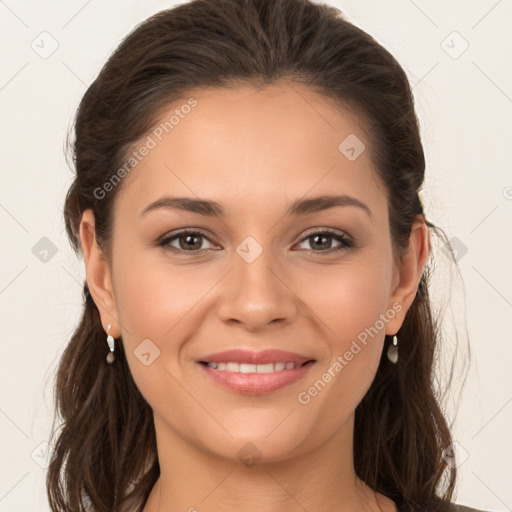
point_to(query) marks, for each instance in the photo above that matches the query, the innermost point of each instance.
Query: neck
(322, 478)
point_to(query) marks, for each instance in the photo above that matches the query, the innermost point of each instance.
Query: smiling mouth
(234, 367)
(255, 379)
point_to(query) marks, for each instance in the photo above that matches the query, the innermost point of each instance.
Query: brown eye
(321, 241)
(188, 241)
(193, 241)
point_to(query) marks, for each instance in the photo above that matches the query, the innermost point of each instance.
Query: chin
(257, 446)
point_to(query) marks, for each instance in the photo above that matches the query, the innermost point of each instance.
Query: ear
(408, 274)
(98, 274)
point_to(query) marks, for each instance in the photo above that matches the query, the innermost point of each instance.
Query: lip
(256, 383)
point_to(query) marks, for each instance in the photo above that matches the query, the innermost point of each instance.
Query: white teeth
(253, 368)
(264, 368)
(247, 368)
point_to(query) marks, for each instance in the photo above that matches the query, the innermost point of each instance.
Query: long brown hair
(105, 446)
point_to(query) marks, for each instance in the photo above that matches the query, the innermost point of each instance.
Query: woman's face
(259, 276)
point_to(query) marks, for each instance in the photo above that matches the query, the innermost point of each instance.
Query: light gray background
(464, 101)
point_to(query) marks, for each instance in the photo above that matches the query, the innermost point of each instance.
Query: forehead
(253, 146)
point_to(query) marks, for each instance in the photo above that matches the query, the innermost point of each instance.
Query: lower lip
(256, 383)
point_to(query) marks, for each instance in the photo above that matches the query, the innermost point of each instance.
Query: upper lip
(255, 357)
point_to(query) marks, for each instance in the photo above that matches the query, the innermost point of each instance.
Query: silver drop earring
(110, 341)
(393, 351)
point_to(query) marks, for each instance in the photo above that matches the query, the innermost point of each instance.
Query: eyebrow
(298, 207)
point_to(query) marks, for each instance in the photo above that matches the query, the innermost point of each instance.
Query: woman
(257, 332)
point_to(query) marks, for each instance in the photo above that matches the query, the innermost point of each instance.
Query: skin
(254, 151)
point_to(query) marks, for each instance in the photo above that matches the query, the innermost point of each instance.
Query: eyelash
(345, 242)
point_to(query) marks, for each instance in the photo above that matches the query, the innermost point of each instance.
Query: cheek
(351, 306)
(152, 297)
(164, 304)
(350, 299)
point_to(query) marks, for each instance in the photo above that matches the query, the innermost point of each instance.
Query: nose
(256, 295)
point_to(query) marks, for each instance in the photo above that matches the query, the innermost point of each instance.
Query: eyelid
(331, 231)
(345, 240)
(164, 240)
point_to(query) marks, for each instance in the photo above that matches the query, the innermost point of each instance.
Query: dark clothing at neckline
(458, 508)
